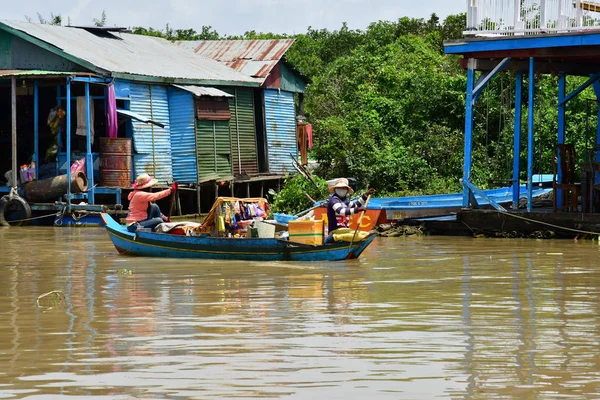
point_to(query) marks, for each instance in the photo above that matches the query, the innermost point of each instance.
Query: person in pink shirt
(143, 213)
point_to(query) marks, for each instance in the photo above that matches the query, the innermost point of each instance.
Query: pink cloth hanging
(309, 135)
(111, 112)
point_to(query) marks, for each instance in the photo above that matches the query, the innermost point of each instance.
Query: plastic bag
(27, 172)
(78, 166)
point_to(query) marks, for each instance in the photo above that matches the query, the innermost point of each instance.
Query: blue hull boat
(151, 244)
(399, 208)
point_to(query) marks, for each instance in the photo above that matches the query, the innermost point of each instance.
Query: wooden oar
(321, 203)
(359, 221)
(171, 203)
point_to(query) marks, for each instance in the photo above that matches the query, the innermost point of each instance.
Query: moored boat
(383, 210)
(152, 244)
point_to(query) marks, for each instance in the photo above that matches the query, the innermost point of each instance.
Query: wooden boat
(151, 244)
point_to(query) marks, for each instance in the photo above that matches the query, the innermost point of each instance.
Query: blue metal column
(468, 133)
(60, 130)
(530, 142)
(89, 162)
(562, 84)
(517, 141)
(36, 130)
(68, 162)
(597, 91)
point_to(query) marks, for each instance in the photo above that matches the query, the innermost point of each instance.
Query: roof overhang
(201, 91)
(182, 81)
(573, 53)
(138, 117)
(19, 73)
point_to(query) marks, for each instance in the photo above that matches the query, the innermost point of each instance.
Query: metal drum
(49, 189)
(115, 162)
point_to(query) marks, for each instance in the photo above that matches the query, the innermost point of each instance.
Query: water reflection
(415, 318)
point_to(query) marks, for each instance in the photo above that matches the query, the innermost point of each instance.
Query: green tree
(101, 21)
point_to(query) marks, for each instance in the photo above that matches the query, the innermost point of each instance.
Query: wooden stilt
(13, 101)
(198, 203)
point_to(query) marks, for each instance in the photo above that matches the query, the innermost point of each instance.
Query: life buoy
(14, 208)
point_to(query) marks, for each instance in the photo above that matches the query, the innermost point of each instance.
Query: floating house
(180, 117)
(273, 108)
(558, 37)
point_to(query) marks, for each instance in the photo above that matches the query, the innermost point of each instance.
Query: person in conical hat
(340, 208)
(143, 212)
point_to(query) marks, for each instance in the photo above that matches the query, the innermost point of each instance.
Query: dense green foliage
(292, 198)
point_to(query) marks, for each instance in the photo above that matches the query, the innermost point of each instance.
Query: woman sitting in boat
(143, 213)
(340, 208)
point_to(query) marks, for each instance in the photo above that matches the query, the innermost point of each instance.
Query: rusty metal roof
(120, 54)
(255, 58)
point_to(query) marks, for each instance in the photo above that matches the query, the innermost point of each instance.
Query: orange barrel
(115, 162)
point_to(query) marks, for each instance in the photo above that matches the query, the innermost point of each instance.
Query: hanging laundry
(111, 112)
(309, 135)
(81, 118)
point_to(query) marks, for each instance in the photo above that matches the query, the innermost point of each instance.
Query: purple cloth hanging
(111, 112)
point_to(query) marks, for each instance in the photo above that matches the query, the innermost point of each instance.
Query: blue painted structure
(445, 204)
(562, 54)
(280, 118)
(183, 135)
(152, 143)
(517, 140)
(152, 244)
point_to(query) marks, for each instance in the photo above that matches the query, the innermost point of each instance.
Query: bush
(291, 199)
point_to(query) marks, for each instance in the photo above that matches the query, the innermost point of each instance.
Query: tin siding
(209, 140)
(280, 118)
(183, 136)
(291, 81)
(243, 128)
(152, 143)
(5, 50)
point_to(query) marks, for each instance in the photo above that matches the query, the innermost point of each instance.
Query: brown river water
(413, 318)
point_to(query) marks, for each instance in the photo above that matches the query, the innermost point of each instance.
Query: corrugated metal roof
(121, 53)
(255, 58)
(203, 91)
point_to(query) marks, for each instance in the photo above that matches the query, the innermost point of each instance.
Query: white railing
(510, 17)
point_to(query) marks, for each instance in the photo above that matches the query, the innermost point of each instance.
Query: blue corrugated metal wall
(280, 118)
(183, 137)
(152, 143)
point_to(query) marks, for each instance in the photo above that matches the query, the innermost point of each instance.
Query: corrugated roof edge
(40, 73)
(182, 81)
(51, 48)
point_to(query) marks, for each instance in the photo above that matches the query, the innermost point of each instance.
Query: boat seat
(566, 187)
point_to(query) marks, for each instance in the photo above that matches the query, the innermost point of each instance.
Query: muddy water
(415, 318)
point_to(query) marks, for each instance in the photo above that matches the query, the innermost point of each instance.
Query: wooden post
(262, 189)
(216, 190)
(198, 199)
(247, 189)
(89, 161)
(36, 123)
(13, 101)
